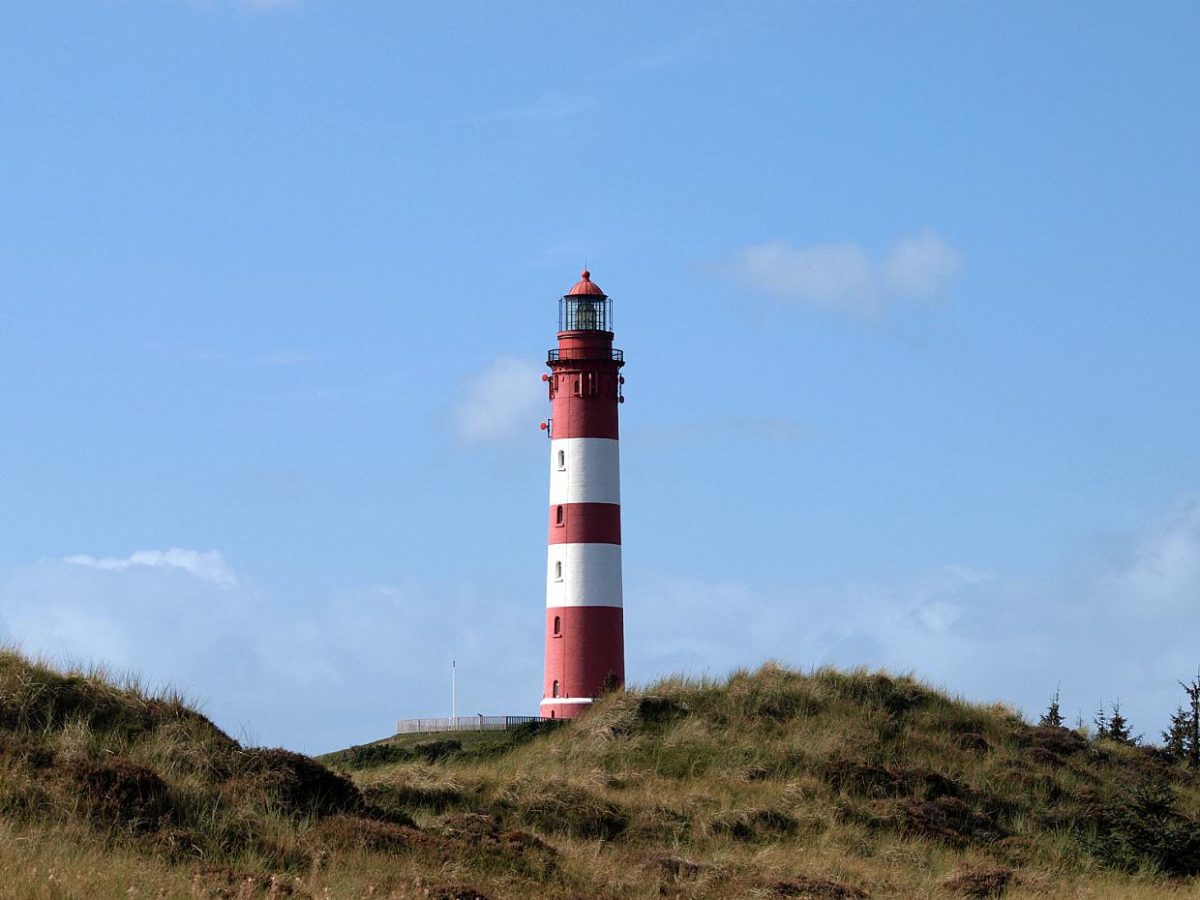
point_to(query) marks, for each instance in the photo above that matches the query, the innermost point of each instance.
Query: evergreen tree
(1053, 715)
(1177, 738)
(1118, 727)
(1191, 747)
(1101, 721)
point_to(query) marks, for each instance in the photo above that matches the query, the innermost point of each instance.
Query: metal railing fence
(463, 723)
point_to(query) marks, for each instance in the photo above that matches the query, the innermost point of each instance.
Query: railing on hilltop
(465, 723)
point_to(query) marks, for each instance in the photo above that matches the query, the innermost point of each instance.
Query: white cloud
(833, 275)
(843, 276)
(313, 677)
(207, 566)
(1164, 573)
(340, 670)
(500, 402)
(1120, 627)
(920, 266)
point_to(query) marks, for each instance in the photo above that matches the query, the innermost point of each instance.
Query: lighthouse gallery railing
(556, 355)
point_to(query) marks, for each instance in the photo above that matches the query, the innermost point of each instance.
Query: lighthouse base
(564, 708)
(585, 656)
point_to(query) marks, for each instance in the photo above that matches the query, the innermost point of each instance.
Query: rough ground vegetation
(767, 784)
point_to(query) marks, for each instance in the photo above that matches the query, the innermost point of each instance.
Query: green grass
(772, 783)
(459, 746)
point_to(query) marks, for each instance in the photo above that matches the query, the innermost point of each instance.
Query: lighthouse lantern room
(585, 644)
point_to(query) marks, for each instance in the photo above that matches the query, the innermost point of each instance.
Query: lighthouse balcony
(586, 355)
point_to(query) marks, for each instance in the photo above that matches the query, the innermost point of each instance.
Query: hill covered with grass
(767, 784)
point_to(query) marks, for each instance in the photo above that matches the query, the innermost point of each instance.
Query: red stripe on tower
(585, 644)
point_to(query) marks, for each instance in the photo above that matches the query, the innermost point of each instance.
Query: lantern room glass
(585, 312)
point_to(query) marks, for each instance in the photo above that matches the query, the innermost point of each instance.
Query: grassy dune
(768, 784)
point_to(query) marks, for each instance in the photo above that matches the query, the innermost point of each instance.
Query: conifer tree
(1053, 715)
(1118, 727)
(1177, 738)
(1101, 721)
(1191, 748)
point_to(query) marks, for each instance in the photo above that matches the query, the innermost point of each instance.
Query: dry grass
(768, 784)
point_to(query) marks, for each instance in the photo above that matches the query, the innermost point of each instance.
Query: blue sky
(907, 292)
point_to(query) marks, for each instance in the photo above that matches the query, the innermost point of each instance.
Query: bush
(1145, 829)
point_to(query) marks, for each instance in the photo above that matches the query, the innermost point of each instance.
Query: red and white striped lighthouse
(585, 642)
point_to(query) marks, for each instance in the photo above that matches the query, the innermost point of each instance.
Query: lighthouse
(585, 642)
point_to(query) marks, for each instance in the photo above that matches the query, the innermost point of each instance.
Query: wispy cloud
(1163, 574)
(500, 402)
(1120, 625)
(845, 276)
(207, 566)
(546, 108)
(559, 105)
(336, 672)
(339, 671)
(920, 266)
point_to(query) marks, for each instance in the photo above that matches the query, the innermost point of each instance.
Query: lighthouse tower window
(558, 570)
(558, 516)
(555, 688)
(557, 626)
(562, 460)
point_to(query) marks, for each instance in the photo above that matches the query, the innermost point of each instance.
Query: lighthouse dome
(585, 287)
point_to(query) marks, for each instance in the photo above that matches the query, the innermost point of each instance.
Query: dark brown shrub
(18, 749)
(564, 808)
(470, 827)
(660, 710)
(972, 742)
(817, 889)
(457, 892)
(951, 820)
(517, 850)
(120, 794)
(293, 783)
(871, 780)
(348, 832)
(1054, 741)
(981, 882)
(754, 824)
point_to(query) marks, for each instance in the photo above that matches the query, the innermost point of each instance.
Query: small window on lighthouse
(562, 460)
(557, 625)
(555, 689)
(558, 516)
(558, 570)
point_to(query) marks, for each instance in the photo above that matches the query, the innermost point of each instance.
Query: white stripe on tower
(585, 470)
(584, 575)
